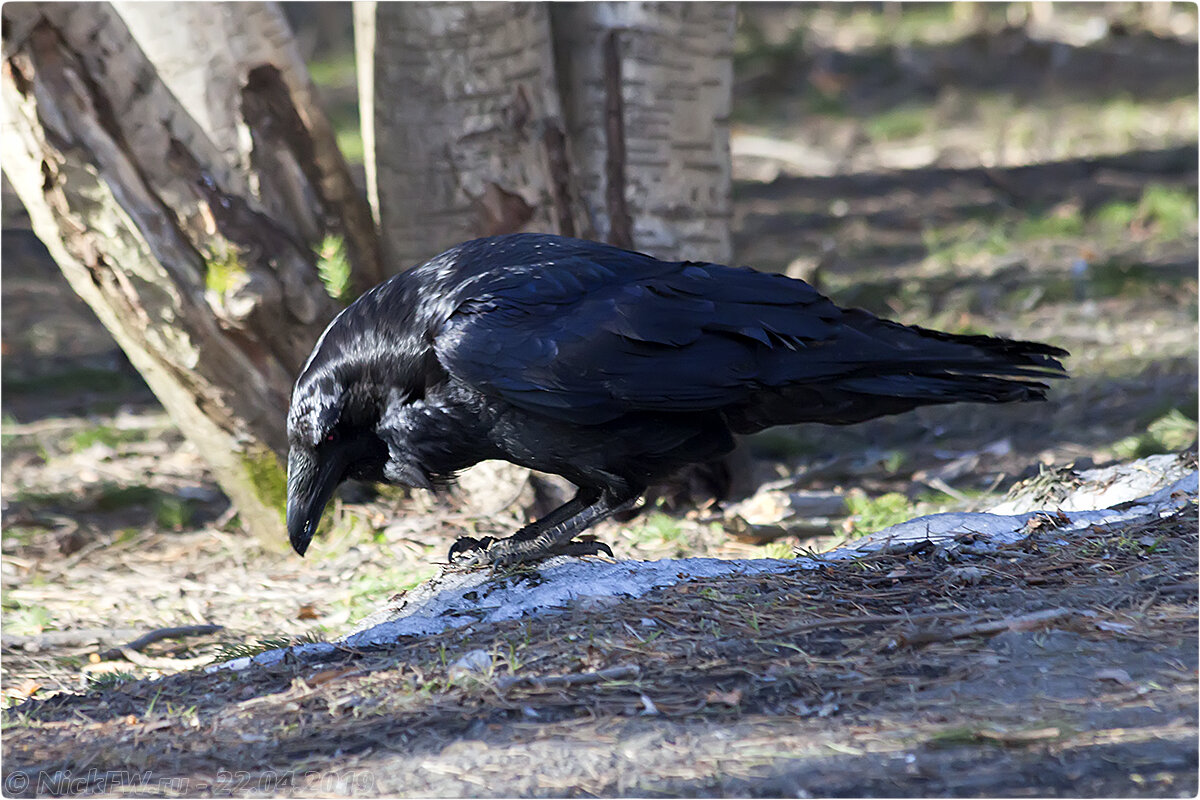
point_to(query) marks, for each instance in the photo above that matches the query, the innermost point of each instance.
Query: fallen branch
(869, 619)
(164, 663)
(619, 673)
(1022, 623)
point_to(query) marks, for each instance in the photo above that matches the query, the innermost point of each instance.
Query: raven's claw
(470, 552)
(468, 549)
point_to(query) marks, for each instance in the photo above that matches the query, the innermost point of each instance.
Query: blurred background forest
(1021, 169)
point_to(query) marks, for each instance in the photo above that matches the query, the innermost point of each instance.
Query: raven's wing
(586, 338)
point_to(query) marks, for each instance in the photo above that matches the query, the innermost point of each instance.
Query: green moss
(267, 477)
(223, 266)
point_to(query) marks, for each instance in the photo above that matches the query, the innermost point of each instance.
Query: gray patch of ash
(1155, 486)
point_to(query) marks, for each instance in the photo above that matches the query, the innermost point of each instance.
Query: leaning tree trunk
(197, 256)
(237, 70)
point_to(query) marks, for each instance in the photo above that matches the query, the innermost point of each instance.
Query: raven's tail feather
(925, 367)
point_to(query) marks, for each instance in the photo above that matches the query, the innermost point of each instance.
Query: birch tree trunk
(462, 125)
(196, 252)
(603, 120)
(647, 99)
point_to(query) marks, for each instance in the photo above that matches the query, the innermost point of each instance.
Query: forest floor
(1057, 203)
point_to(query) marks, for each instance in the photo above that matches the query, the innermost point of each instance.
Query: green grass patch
(28, 620)
(258, 646)
(1169, 433)
(781, 549)
(334, 268)
(870, 514)
(99, 681)
(1166, 212)
(657, 528)
(1064, 222)
(370, 590)
(904, 122)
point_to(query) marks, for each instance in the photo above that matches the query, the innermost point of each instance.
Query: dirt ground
(956, 175)
(879, 677)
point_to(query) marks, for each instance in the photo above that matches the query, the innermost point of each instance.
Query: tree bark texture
(462, 123)
(602, 120)
(215, 301)
(647, 101)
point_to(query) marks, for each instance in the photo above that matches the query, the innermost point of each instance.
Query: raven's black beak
(311, 481)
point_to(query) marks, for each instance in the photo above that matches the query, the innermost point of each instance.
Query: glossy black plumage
(608, 367)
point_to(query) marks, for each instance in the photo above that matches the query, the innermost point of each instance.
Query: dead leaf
(307, 611)
(327, 675)
(26, 688)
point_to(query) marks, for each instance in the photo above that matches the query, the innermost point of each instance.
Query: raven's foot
(469, 552)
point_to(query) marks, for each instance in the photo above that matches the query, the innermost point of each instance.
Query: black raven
(608, 367)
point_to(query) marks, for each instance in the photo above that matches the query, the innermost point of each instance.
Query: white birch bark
(675, 82)
(462, 124)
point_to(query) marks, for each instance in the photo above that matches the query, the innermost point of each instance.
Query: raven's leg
(552, 533)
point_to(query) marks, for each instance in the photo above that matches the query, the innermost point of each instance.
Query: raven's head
(332, 436)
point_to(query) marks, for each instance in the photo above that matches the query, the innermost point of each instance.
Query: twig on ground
(164, 663)
(1021, 623)
(618, 673)
(869, 619)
